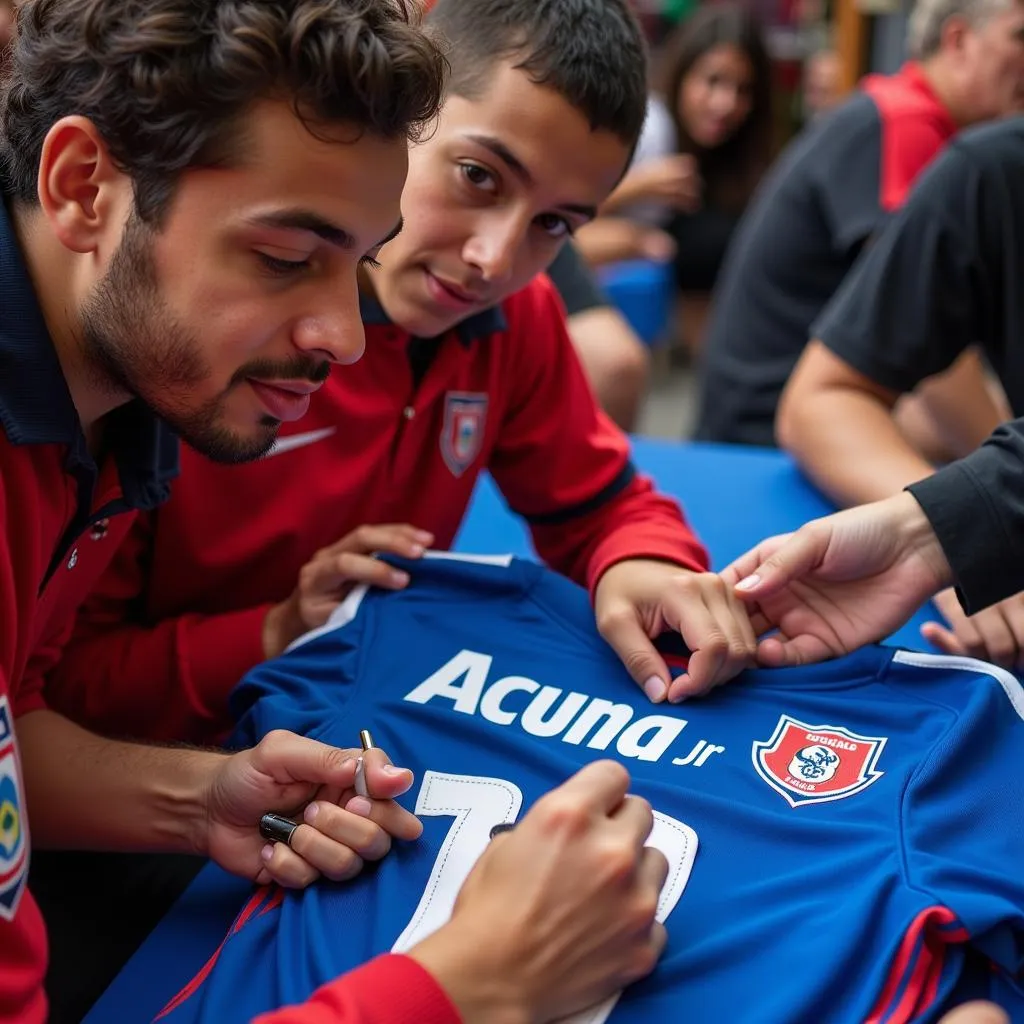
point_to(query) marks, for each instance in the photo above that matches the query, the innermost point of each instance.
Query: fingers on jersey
(716, 627)
(624, 632)
(600, 787)
(638, 914)
(378, 816)
(779, 650)
(310, 855)
(994, 634)
(351, 559)
(328, 573)
(395, 538)
(766, 569)
(383, 779)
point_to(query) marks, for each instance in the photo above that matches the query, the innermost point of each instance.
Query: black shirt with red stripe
(947, 274)
(833, 189)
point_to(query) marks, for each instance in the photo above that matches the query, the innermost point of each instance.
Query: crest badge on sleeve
(462, 433)
(13, 830)
(808, 764)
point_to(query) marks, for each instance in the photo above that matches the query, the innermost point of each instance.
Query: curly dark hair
(168, 82)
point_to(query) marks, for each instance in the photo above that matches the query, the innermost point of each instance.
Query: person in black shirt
(833, 189)
(945, 275)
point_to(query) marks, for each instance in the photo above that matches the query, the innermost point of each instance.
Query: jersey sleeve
(923, 291)
(24, 688)
(962, 819)
(310, 683)
(168, 680)
(566, 468)
(976, 508)
(392, 989)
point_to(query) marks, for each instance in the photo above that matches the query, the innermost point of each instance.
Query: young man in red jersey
(467, 366)
(157, 157)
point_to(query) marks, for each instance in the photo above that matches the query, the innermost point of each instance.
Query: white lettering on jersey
(574, 717)
(478, 804)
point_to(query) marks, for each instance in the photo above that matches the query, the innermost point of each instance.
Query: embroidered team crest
(13, 837)
(814, 763)
(462, 433)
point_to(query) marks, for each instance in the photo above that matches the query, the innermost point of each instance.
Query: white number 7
(478, 804)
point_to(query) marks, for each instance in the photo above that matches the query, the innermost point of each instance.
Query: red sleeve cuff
(388, 990)
(221, 649)
(664, 542)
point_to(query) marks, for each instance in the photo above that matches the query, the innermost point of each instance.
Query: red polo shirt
(399, 437)
(62, 517)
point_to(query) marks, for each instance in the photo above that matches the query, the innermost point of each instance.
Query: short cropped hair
(591, 52)
(924, 29)
(168, 83)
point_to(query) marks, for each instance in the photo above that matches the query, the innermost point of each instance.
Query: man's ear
(81, 190)
(953, 34)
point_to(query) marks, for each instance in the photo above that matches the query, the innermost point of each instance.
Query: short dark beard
(134, 345)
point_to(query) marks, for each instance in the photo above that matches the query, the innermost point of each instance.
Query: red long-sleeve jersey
(400, 436)
(61, 517)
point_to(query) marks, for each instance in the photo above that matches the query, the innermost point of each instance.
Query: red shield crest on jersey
(462, 433)
(13, 826)
(809, 764)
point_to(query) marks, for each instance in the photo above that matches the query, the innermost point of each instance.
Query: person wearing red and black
(467, 367)
(944, 275)
(832, 191)
(153, 174)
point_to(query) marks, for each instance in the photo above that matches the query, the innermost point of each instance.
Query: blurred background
(732, 84)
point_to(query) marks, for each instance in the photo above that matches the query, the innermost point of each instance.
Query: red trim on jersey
(915, 127)
(247, 911)
(921, 955)
(38, 503)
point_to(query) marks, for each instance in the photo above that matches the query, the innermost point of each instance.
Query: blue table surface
(733, 497)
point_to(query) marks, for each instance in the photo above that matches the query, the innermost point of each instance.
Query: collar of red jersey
(477, 327)
(36, 406)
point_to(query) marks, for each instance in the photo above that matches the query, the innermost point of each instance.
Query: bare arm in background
(845, 431)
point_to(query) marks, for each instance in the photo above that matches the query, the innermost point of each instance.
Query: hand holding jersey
(294, 775)
(840, 582)
(638, 599)
(331, 573)
(560, 913)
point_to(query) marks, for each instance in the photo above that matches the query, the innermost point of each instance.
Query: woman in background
(705, 145)
(718, 89)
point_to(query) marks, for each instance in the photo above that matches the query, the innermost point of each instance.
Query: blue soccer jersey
(835, 833)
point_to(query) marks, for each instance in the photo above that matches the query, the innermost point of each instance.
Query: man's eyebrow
(306, 220)
(503, 153)
(522, 172)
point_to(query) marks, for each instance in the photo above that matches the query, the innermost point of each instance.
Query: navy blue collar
(474, 328)
(36, 406)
